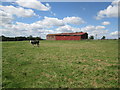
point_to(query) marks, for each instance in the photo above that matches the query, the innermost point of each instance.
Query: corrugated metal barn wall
(68, 37)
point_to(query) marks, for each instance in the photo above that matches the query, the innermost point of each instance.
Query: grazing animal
(34, 42)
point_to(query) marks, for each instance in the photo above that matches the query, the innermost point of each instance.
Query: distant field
(60, 64)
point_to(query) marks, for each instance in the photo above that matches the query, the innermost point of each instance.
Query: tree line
(102, 38)
(20, 38)
(92, 37)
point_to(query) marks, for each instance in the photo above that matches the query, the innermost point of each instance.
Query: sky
(32, 17)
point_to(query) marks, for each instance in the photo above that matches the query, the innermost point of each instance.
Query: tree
(103, 37)
(91, 37)
(38, 38)
(30, 37)
(3, 38)
(20, 38)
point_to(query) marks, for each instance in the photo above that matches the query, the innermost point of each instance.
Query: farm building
(68, 36)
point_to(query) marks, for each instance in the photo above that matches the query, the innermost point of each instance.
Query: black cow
(34, 42)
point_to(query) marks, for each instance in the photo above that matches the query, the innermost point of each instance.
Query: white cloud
(46, 23)
(49, 22)
(110, 11)
(67, 28)
(52, 21)
(115, 2)
(7, 32)
(37, 29)
(46, 26)
(42, 27)
(18, 11)
(88, 28)
(8, 0)
(99, 27)
(93, 30)
(21, 26)
(20, 29)
(115, 33)
(35, 4)
(105, 23)
(5, 19)
(73, 20)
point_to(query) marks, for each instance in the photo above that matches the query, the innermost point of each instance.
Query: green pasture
(60, 64)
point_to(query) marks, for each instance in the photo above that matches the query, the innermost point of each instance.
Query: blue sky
(57, 17)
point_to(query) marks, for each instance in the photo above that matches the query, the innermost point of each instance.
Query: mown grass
(60, 64)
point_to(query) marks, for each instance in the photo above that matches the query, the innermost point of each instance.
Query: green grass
(60, 64)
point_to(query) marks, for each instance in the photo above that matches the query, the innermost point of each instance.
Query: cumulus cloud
(18, 11)
(105, 23)
(67, 28)
(93, 30)
(115, 33)
(49, 22)
(46, 23)
(35, 29)
(20, 29)
(90, 29)
(99, 27)
(8, 0)
(53, 21)
(110, 11)
(8, 13)
(43, 27)
(73, 20)
(6, 19)
(49, 25)
(21, 26)
(24, 29)
(34, 4)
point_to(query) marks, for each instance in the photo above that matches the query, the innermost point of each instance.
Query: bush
(103, 37)
(91, 37)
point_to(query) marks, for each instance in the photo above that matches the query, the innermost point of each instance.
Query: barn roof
(62, 34)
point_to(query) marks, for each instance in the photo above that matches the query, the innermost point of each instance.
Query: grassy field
(60, 64)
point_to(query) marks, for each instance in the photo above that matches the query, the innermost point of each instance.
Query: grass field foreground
(60, 64)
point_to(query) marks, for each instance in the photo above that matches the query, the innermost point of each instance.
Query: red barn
(68, 36)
